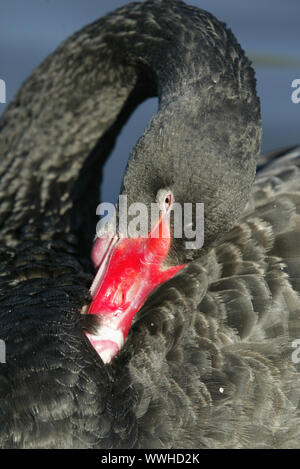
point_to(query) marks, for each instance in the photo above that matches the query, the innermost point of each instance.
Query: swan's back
(235, 360)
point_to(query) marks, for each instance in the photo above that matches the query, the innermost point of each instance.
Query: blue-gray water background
(268, 30)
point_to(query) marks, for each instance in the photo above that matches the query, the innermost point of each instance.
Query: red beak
(129, 269)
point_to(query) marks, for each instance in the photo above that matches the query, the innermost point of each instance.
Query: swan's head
(129, 269)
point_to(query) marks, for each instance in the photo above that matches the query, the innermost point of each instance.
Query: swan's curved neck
(53, 124)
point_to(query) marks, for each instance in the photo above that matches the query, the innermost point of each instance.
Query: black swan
(210, 359)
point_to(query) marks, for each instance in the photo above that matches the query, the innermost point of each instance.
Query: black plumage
(208, 363)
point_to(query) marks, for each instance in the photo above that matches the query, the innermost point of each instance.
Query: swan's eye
(168, 201)
(165, 199)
